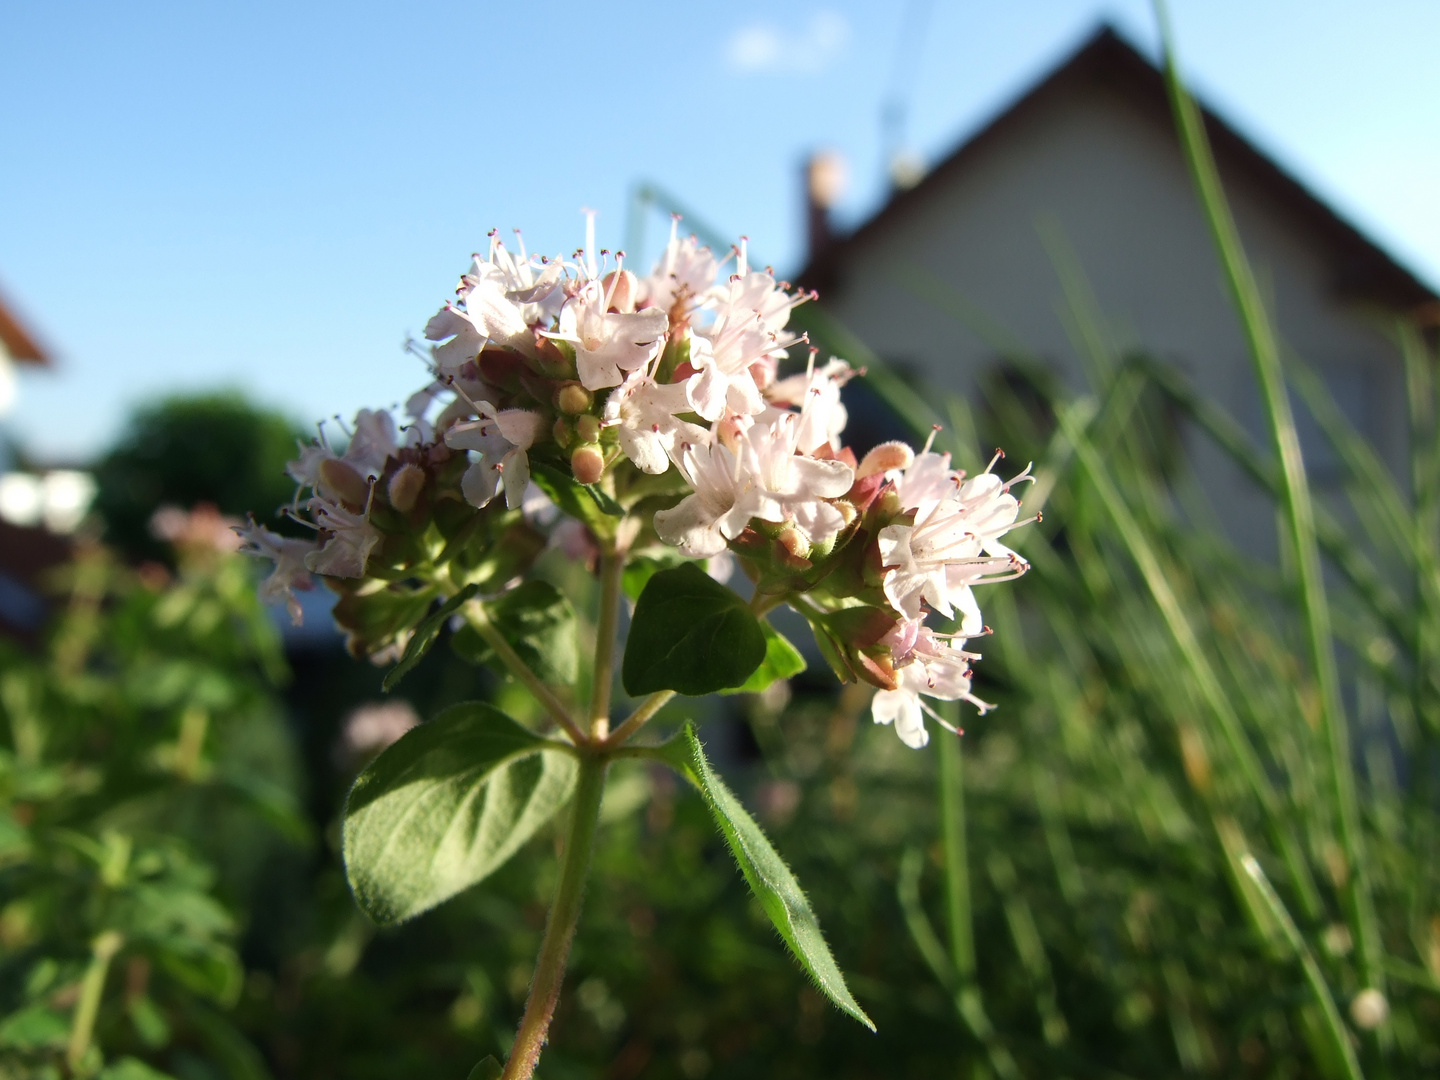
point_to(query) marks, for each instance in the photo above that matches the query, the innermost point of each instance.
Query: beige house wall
(1097, 179)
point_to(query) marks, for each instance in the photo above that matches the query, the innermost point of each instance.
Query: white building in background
(958, 274)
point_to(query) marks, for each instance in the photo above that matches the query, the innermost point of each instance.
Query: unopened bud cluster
(661, 396)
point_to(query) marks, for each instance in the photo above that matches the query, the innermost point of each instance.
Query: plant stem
(612, 568)
(560, 927)
(957, 869)
(637, 719)
(475, 612)
(92, 988)
(1300, 514)
(958, 913)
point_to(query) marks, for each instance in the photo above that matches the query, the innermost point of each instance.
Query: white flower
(953, 542)
(686, 269)
(498, 301)
(744, 341)
(726, 498)
(289, 556)
(758, 475)
(817, 395)
(644, 411)
(373, 442)
(501, 438)
(608, 342)
(925, 665)
(348, 549)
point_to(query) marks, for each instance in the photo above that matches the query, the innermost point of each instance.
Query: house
(27, 551)
(957, 275)
(17, 346)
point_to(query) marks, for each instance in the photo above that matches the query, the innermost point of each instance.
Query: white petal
(479, 484)
(691, 528)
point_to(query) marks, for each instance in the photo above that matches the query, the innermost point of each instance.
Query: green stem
(475, 613)
(636, 720)
(958, 922)
(87, 1007)
(959, 917)
(761, 603)
(1334, 1024)
(1299, 511)
(560, 928)
(190, 745)
(612, 569)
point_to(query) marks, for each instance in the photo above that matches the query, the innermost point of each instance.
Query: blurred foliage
(183, 451)
(146, 777)
(1088, 916)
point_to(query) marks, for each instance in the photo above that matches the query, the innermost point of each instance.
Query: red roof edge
(18, 342)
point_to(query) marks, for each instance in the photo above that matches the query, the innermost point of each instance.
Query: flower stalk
(560, 926)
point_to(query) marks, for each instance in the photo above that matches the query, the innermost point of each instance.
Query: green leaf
(489, 1069)
(690, 634)
(34, 1027)
(770, 879)
(445, 806)
(539, 623)
(129, 1068)
(424, 636)
(640, 569)
(576, 499)
(782, 660)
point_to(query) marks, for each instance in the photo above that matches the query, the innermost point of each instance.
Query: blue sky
(273, 195)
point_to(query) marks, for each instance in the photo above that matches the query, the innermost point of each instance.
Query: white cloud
(763, 48)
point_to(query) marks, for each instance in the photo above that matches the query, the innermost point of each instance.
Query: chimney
(824, 183)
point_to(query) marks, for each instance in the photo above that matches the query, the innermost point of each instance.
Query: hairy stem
(640, 717)
(475, 613)
(87, 1006)
(612, 568)
(560, 928)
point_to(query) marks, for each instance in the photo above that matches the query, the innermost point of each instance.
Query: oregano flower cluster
(561, 382)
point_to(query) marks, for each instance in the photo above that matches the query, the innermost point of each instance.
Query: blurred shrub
(183, 451)
(146, 779)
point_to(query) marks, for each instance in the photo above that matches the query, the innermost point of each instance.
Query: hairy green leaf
(445, 806)
(488, 1069)
(782, 660)
(690, 634)
(770, 879)
(425, 634)
(539, 623)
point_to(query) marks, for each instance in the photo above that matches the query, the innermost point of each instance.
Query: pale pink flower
(644, 413)
(606, 342)
(289, 556)
(926, 665)
(502, 439)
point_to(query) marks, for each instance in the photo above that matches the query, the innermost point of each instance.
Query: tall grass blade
(1299, 513)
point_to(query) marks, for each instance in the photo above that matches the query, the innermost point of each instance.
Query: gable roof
(17, 341)
(1363, 271)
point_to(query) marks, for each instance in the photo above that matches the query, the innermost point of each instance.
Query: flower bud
(405, 487)
(587, 428)
(793, 547)
(338, 477)
(573, 398)
(883, 458)
(551, 360)
(562, 432)
(624, 287)
(587, 463)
